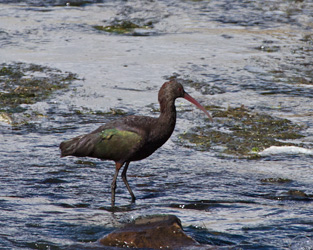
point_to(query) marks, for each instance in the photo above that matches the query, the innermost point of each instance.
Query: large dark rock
(154, 232)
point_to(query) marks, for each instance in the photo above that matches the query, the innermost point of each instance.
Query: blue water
(254, 53)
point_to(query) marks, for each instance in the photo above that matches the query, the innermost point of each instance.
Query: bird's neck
(168, 115)
(163, 128)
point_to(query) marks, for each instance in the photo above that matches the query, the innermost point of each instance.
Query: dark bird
(131, 138)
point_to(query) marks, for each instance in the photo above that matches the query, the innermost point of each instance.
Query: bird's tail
(79, 146)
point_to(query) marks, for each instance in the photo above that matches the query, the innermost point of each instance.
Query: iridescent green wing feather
(115, 144)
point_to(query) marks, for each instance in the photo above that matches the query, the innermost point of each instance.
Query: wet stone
(153, 232)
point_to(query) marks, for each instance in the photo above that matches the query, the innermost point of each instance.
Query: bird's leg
(126, 182)
(113, 184)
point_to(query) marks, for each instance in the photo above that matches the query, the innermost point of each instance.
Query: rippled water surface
(252, 53)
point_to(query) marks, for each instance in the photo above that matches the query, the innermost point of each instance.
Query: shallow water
(251, 53)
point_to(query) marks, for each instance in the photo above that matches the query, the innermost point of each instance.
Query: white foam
(291, 150)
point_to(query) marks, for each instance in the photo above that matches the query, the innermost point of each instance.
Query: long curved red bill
(192, 100)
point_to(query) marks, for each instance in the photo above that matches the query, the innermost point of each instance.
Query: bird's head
(173, 89)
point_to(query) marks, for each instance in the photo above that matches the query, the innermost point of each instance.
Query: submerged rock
(153, 232)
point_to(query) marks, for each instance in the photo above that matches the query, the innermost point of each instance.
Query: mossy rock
(125, 27)
(111, 111)
(243, 133)
(276, 181)
(22, 83)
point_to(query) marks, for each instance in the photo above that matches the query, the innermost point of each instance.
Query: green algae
(240, 132)
(22, 83)
(111, 111)
(124, 27)
(276, 181)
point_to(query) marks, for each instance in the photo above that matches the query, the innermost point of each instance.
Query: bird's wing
(117, 140)
(116, 144)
